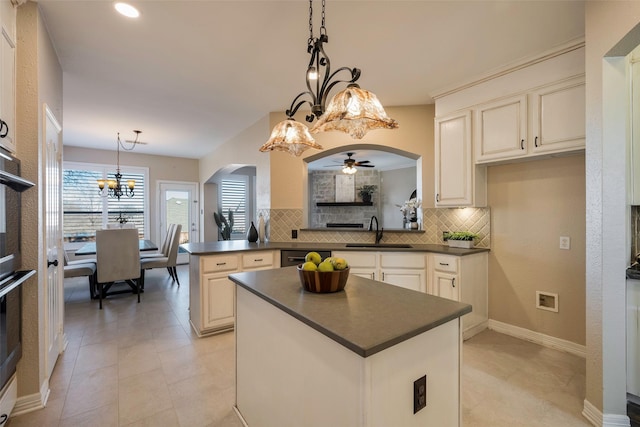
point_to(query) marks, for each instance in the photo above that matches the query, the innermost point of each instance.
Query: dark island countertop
(367, 317)
(219, 247)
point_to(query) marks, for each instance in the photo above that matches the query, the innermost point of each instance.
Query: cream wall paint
(606, 243)
(415, 135)
(161, 168)
(38, 81)
(532, 205)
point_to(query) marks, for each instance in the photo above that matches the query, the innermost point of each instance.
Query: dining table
(89, 248)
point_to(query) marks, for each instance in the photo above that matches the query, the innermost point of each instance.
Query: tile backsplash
(434, 223)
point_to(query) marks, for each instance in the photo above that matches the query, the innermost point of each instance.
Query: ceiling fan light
(127, 10)
(290, 136)
(349, 170)
(354, 111)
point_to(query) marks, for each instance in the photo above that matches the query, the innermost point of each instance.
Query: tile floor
(141, 365)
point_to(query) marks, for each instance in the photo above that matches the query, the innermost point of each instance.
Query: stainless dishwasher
(290, 257)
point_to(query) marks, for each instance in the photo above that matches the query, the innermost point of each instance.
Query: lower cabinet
(404, 269)
(212, 294)
(463, 279)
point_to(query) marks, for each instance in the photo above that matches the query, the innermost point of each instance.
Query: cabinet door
(454, 163)
(559, 118)
(7, 88)
(218, 308)
(367, 273)
(501, 129)
(446, 286)
(406, 278)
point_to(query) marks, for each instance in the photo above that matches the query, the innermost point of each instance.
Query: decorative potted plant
(460, 239)
(225, 227)
(365, 192)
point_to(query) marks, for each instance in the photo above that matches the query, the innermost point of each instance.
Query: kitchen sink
(379, 245)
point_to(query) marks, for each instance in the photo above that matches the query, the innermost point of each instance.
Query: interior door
(53, 280)
(179, 205)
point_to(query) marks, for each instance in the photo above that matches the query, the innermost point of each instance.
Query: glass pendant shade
(290, 136)
(349, 170)
(354, 111)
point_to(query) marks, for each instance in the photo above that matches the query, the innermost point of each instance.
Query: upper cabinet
(455, 172)
(501, 129)
(549, 120)
(7, 75)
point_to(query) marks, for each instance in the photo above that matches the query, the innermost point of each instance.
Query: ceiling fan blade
(135, 142)
(366, 166)
(364, 161)
(333, 166)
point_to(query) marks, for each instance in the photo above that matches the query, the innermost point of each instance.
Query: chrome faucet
(378, 232)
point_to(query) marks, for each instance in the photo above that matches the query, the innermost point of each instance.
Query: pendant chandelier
(353, 110)
(115, 187)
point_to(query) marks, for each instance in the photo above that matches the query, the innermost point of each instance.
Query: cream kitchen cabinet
(212, 294)
(548, 120)
(458, 181)
(8, 75)
(464, 279)
(404, 269)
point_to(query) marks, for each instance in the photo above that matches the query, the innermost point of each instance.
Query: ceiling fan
(350, 162)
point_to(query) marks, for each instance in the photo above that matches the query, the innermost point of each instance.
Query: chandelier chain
(323, 30)
(310, 41)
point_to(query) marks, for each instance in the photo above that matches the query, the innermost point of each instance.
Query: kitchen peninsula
(345, 358)
(454, 273)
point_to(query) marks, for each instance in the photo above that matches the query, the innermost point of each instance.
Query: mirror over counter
(348, 186)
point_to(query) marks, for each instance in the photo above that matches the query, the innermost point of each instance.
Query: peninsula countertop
(219, 247)
(367, 317)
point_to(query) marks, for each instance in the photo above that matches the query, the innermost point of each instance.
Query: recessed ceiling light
(127, 10)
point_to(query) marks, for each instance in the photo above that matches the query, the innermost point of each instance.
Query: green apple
(314, 257)
(309, 266)
(325, 266)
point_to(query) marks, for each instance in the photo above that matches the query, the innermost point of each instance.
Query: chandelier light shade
(290, 136)
(116, 188)
(349, 170)
(355, 113)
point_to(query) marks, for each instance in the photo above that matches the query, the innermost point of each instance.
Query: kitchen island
(348, 358)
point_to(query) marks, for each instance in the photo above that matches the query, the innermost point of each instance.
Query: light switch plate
(565, 242)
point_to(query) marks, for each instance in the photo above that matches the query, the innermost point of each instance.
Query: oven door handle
(24, 275)
(295, 258)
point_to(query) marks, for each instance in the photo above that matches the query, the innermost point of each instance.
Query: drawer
(219, 263)
(358, 259)
(402, 260)
(257, 259)
(445, 263)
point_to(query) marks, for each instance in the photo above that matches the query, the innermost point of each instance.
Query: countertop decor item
(353, 110)
(225, 226)
(323, 282)
(261, 229)
(252, 234)
(460, 239)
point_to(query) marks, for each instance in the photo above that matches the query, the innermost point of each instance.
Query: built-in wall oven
(11, 277)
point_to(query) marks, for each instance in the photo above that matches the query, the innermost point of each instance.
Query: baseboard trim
(538, 338)
(32, 402)
(474, 330)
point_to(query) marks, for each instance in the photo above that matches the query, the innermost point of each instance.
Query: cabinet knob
(444, 263)
(221, 263)
(535, 141)
(438, 197)
(257, 259)
(522, 144)
(453, 282)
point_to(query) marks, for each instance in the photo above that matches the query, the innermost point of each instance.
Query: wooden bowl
(323, 282)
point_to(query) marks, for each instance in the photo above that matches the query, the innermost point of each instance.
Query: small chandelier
(114, 187)
(353, 110)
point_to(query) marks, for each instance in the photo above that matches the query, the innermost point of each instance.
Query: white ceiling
(193, 74)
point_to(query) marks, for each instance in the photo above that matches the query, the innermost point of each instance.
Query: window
(85, 210)
(233, 197)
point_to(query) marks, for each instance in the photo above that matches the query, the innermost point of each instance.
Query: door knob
(54, 263)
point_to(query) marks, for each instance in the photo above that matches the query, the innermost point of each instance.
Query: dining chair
(169, 261)
(81, 268)
(118, 259)
(164, 248)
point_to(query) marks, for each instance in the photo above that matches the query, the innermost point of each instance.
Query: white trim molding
(32, 402)
(538, 338)
(598, 419)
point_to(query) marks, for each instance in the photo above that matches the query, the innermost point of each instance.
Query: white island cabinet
(349, 358)
(211, 293)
